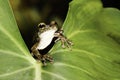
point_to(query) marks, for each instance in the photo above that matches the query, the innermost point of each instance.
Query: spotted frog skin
(47, 36)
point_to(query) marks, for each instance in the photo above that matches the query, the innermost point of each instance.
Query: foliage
(95, 32)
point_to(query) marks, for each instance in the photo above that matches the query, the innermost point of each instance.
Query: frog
(47, 36)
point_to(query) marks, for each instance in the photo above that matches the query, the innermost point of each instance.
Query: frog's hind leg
(46, 58)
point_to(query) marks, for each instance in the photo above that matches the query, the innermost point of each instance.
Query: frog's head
(43, 27)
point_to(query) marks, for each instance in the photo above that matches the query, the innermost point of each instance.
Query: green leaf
(94, 30)
(15, 60)
(111, 19)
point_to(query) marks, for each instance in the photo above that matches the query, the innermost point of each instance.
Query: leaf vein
(13, 39)
(56, 75)
(88, 53)
(79, 31)
(12, 53)
(17, 71)
(74, 67)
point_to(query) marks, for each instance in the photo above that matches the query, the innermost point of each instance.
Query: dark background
(111, 3)
(29, 13)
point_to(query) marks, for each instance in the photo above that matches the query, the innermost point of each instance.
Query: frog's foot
(45, 58)
(65, 42)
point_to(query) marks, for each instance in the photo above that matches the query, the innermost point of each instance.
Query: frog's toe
(70, 43)
(46, 58)
(63, 46)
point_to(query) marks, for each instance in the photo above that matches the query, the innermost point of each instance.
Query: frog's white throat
(46, 38)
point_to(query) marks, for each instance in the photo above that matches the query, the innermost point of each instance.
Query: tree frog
(47, 36)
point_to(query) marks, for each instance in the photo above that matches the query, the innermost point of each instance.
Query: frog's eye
(41, 25)
(53, 23)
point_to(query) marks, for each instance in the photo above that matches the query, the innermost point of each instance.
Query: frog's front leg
(35, 52)
(64, 41)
